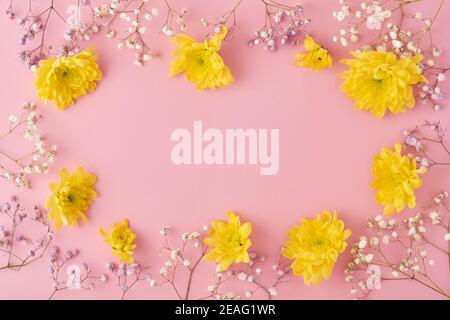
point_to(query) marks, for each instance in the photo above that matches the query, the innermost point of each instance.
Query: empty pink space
(122, 131)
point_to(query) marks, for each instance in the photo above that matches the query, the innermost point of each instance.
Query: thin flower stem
(436, 14)
(448, 255)
(413, 278)
(12, 159)
(434, 246)
(389, 264)
(173, 286)
(434, 283)
(52, 294)
(136, 279)
(191, 272)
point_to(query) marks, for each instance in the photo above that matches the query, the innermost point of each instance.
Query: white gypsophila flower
(36, 163)
(242, 276)
(272, 291)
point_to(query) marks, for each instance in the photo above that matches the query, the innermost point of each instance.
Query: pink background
(122, 134)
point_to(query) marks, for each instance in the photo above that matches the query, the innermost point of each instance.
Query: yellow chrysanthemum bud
(317, 57)
(121, 238)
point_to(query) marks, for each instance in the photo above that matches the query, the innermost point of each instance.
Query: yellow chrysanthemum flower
(378, 81)
(229, 242)
(315, 246)
(396, 178)
(201, 61)
(71, 198)
(66, 78)
(121, 238)
(317, 57)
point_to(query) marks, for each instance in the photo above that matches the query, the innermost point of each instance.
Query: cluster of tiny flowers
(419, 143)
(10, 12)
(37, 161)
(283, 25)
(177, 256)
(135, 13)
(392, 37)
(370, 265)
(33, 28)
(127, 274)
(215, 288)
(79, 31)
(184, 257)
(174, 20)
(13, 236)
(228, 19)
(370, 13)
(76, 276)
(432, 92)
(377, 15)
(251, 276)
(30, 26)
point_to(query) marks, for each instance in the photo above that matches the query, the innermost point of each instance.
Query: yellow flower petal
(182, 40)
(310, 44)
(245, 230)
(216, 41)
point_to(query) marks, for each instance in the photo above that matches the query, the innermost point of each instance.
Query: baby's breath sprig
(174, 20)
(250, 281)
(371, 265)
(283, 24)
(228, 19)
(76, 276)
(185, 257)
(15, 168)
(137, 13)
(129, 274)
(33, 31)
(18, 248)
(432, 92)
(389, 19)
(283, 274)
(418, 143)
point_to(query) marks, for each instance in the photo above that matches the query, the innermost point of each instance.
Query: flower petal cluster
(229, 242)
(315, 245)
(66, 78)
(396, 178)
(201, 62)
(378, 82)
